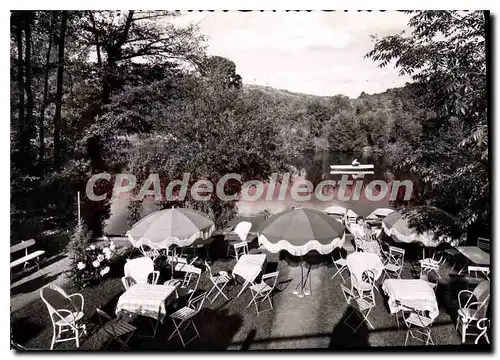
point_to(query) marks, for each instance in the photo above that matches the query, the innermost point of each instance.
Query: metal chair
(395, 262)
(358, 306)
(364, 286)
(421, 323)
(219, 282)
(479, 272)
(340, 265)
(183, 317)
(148, 249)
(187, 283)
(474, 308)
(236, 248)
(65, 313)
(120, 330)
(263, 291)
(429, 265)
(140, 269)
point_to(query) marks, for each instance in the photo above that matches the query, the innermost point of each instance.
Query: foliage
(89, 263)
(445, 55)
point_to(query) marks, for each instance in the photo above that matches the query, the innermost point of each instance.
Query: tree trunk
(41, 122)
(29, 126)
(59, 91)
(20, 85)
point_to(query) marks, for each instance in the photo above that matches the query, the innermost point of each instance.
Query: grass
(314, 321)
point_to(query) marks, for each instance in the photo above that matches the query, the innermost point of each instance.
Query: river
(314, 167)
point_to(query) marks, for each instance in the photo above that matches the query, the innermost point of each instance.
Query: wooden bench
(24, 245)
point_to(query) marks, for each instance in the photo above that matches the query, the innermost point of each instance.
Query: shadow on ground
(34, 284)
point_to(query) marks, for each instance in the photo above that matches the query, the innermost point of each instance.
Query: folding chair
(219, 282)
(479, 272)
(190, 272)
(236, 248)
(429, 265)
(483, 244)
(364, 286)
(148, 249)
(359, 306)
(340, 265)
(65, 313)
(483, 325)
(422, 324)
(120, 330)
(474, 309)
(263, 291)
(395, 261)
(183, 317)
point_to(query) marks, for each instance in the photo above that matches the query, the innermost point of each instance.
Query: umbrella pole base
(299, 289)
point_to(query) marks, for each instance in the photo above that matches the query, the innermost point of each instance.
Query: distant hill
(283, 93)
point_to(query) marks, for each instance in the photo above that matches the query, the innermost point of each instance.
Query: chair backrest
(483, 243)
(348, 294)
(103, 316)
(55, 298)
(149, 250)
(242, 229)
(475, 270)
(207, 267)
(271, 279)
(482, 295)
(139, 269)
(396, 255)
(196, 302)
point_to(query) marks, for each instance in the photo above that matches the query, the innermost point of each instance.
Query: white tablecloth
(413, 293)
(360, 261)
(475, 254)
(147, 300)
(249, 266)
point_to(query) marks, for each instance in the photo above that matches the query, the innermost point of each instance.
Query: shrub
(90, 264)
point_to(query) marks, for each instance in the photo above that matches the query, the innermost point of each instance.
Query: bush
(90, 264)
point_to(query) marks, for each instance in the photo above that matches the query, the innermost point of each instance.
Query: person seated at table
(364, 237)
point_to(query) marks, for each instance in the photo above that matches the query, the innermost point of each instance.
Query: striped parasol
(299, 231)
(424, 224)
(176, 226)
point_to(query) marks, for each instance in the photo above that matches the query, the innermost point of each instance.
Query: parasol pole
(300, 284)
(308, 276)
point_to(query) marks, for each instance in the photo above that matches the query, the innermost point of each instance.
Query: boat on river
(356, 170)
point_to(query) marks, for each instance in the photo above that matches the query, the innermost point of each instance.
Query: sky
(319, 53)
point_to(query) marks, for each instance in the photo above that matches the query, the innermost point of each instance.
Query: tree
(59, 92)
(445, 55)
(220, 70)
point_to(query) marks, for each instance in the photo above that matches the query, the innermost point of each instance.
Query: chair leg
(254, 295)
(53, 339)
(77, 335)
